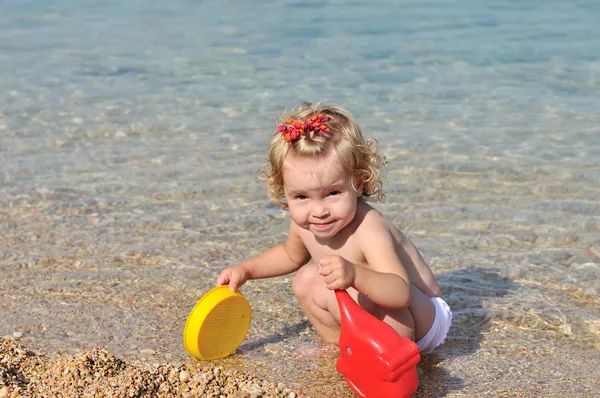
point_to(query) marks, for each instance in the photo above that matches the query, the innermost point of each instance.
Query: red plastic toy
(375, 360)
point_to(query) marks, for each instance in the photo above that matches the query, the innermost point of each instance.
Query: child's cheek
(296, 215)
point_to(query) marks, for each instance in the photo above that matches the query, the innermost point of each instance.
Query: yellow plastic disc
(217, 325)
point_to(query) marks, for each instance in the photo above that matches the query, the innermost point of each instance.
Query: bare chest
(348, 248)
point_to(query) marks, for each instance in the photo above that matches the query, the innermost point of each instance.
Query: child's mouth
(322, 225)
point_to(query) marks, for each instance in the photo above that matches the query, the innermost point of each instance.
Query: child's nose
(320, 211)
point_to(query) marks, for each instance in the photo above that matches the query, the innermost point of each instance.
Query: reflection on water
(131, 133)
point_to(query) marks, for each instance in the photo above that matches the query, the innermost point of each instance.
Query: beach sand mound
(99, 373)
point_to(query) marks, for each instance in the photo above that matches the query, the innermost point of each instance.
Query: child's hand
(339, 273)
(235, 277)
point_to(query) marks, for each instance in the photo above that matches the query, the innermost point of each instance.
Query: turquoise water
(134, 130)
(495, 67)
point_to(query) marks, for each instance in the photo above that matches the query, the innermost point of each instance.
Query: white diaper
(439, 329)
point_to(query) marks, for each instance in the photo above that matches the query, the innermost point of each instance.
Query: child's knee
(304, 281)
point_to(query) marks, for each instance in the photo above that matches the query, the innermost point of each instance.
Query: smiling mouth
(322, 225)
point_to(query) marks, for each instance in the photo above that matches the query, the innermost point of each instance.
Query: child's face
(319, 194)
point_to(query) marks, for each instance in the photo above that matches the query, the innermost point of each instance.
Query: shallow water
(131, 134)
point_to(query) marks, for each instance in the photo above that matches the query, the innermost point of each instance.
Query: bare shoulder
(375, 232)
(383, 238)
(371, 220)
(376, 228)
(375, 222)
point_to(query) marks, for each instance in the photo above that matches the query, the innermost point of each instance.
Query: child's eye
(334, 193)
(301, 197)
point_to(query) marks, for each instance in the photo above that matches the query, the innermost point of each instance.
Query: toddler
(322, 169)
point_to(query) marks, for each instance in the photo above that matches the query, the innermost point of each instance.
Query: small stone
(184, 375)
(159, 196)
(17, 335)
(254, 391)
(4, 392)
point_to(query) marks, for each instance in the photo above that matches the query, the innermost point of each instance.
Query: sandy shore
(103, 289)
(97, 372)
(487, 356)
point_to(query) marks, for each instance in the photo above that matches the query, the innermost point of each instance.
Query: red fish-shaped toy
(375, 360)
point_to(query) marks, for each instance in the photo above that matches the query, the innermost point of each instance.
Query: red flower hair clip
(292, 129)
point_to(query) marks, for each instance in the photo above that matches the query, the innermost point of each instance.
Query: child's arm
(385, 281)
(277, 261)
(419, 272)
(387, 289)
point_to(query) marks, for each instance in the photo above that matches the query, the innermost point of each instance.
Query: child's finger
(234, 282)
(325, 260)
(223, 279)
(330, 278)
(337, 284)
(333, 285)
(324, 270)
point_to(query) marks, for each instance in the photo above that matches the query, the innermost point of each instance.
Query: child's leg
(318, 302)
(322, 310)
(422, 310)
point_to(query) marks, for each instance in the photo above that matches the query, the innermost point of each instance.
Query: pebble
(254, 391)
(160, 196)
(17, 335)
(184, 375)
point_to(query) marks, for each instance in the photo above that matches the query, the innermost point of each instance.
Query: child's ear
(359, 183)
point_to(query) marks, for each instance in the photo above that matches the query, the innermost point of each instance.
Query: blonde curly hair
(358, 157)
